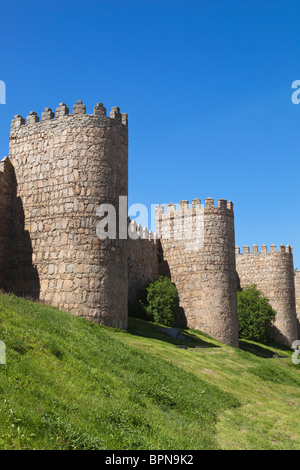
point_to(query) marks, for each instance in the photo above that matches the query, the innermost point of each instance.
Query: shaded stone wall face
(143, 261)
(297, 294)
(65, 168)
(7, 193)
(273, 273)
(202, 265)
(59, 172)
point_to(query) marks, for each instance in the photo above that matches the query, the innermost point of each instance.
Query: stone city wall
(7, 194)
(198, 244)
(143, 260)
(297, 294)
(59, 171)
(273, 273)
(65, 168)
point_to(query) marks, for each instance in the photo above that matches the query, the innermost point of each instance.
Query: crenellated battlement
(193, 224)
(186, 208)
(67, 163)
(143, 258)
(271, 269)
(62, 111)
(264, 249)
(136, 231)
(197, 243)
(62, 165)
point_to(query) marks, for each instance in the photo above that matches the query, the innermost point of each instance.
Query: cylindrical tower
(198, 245)
(297, 295)
(273, 273)
(65, 168)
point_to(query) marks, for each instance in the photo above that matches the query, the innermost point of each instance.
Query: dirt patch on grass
(208, 372)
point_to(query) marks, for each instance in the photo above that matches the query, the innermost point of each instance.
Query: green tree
(255, 314)
(161, 301)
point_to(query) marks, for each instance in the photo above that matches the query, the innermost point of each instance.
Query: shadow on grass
(259, 350)
(147, 329)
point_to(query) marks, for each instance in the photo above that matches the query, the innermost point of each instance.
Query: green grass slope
(71, 384)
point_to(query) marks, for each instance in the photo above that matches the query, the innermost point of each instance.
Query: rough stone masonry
(64, 168)
(59, 170)
(273, 272)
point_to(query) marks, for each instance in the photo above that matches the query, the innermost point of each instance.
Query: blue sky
(206, 84)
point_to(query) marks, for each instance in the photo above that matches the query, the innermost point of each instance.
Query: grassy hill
(71, 384)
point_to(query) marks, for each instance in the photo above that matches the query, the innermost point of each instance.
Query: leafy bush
(160, 302)
(255, 314)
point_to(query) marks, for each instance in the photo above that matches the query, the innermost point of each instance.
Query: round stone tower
(198, 245)
(65, 167)
(297, 295)
(273, 273)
